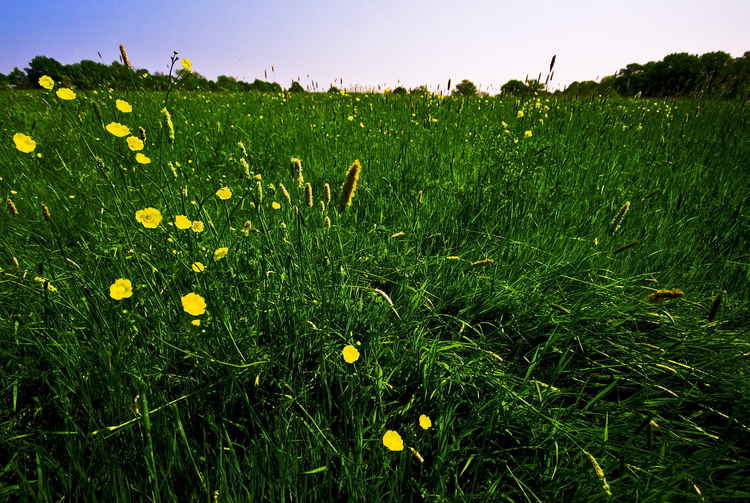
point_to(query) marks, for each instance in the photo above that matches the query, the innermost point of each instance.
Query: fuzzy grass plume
(285, 193)
(169, 124)
(11, 207)
(349, 186)
(125, 59)
(617, 221)
(308, 195)
(660, 295)
(296, 169)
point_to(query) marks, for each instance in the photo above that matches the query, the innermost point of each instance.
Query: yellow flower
(149, 217)
(121, 289)
(182, 222)
(350, 118)
(117, 129)
(392, 440)
(135, 143)
(197, 226)
(187, 64)
(519, 114)
(123, 106)
(424, 422)
(504, 124)
(275, 205)
(24, 143)
(66, 94)
(224, 193)
(220, 253)
(196, 323)
(193, 304)
(351, 354)
(142, 159)
(46, 82)
(198, 267)
(527, 133)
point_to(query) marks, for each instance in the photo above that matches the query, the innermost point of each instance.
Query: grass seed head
(45, 213)
(617, 221)
(296, 169)
(141, 133)
(169, 124)
(349, 186)
(660, 295)
(125, 58)
(11, 207)
(326, 193)
(285, 193)
(308, 195)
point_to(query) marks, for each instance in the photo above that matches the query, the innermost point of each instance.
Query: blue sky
(374, 42)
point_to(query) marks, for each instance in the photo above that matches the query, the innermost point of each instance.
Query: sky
(376, 42)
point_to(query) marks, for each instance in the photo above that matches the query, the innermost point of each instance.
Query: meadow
(523, 300)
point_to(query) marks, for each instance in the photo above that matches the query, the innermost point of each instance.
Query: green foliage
(514, 88)
(529, 365)
(465, 88)
(400, 90)
(420, 91)
(296, 87)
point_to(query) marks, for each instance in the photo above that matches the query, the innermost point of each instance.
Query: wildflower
(659, 295)
(123, 106)
(46, 284)
(169, 123)
(275, 205)
(134, 143)
(308, 195)
(349, 186)
(224, 193)
(197, 226)
(285, 193)
(193, 304)
(182, 222)
(196, 323)
(121, 289)
(66, 94)
(519, 114)
(198, 267)
(527, 133)
(46, 82)
(296, 167)
(392, 440)
(124, 55)
(350, 118)
(24, 143)
(142, 159)
(149, 217)
(350, 353)
(117, 129)
(220, 253)
(187, 64)
(504, 124)
(425, 422)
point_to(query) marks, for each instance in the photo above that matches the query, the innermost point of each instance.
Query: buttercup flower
(519, 114)
(182, 222)
(197, 226)
(24, 143)
(117, 129)
(527, 133)
(187, 64)
(66, 94)
(424, 422)
(142, 159)
(123, 106)
(350, 353)
(224, 193)
(196, 323)
(193, 304)
(121, 289)
(149, 217)
(198, 267)
(135, 143)
(275, 205)
(392, 440)
(220, 253)
(46, 82)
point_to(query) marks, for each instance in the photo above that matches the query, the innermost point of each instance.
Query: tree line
(713, 74)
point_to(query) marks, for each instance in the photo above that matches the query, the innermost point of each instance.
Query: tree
(514, 88)
(399, 90)
(296, 87)
(227, 83)
(42, 65)
(420, 90)
(465, 88)
(18, 79)
(333, 90)
(4, 82)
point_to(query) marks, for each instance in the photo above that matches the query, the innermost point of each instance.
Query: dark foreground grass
(520, 321)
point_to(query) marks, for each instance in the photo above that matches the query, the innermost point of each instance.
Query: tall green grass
(533, 366)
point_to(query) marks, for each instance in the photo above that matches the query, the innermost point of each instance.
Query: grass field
(519, 268)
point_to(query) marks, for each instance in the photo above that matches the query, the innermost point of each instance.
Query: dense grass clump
(193, 321)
